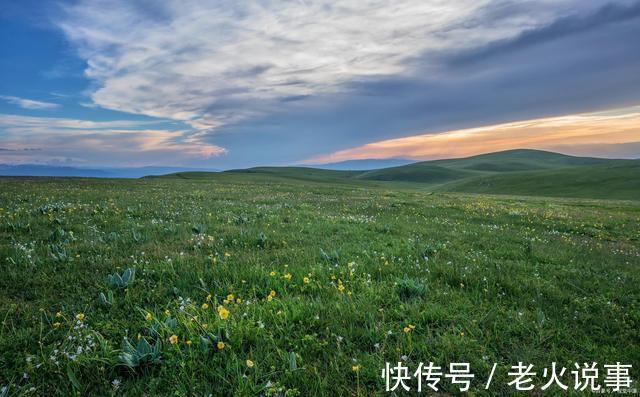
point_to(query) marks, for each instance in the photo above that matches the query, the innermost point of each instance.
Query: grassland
(620, 181)
(325, 277)
(513, 172)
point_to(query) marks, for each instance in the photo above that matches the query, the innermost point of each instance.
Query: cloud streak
(120, 142)
(582, 134)
(29, 103)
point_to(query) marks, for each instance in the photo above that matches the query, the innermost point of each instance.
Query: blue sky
(233, 84)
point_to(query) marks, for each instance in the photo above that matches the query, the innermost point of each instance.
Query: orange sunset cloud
(573, 134)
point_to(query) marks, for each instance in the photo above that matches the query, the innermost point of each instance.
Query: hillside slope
(443, 171)
(617, 180)
(301, 173)
(518, 160)
(514, 172)
(364, 164)
(423, 172)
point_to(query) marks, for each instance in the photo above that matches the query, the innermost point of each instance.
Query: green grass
(444, 171)
(418, 172)
(483, 279)
(512, 172)
(300, 172)
(606, 181)
(519, 160)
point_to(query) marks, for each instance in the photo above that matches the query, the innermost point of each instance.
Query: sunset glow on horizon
(613, 133)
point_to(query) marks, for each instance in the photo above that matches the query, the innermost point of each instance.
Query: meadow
(242, 284)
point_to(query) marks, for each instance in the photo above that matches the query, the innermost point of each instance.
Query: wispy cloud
(32, 124)
(119, 142)
(211, 63)
(583, 134)
(28, 103)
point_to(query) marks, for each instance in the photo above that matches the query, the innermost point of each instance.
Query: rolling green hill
(442, 171)
(616, 180)
(424, 172)
(513, 172)
(518, 160)
(523, 172)
(299, 172)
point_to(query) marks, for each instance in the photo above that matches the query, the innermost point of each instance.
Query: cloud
(28, 103)
(30, 124)
(19, 149)
(278, 82)
(583, 134)
(590, 70)
(214, 63)
(119, 142)
(560, 28)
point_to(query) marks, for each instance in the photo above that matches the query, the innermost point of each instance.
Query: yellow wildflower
(59, 314)
(250, 363)
(173, 339)
(56, 325)
(355, 368)
(272, 274)
(287, 276)
(167, 312)
(148, 317)
(306, 280)
(205, 306)
(80, 316)
(188, 342)
(223, 313)
(220, 345)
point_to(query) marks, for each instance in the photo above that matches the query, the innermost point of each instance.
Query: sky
(227, 84)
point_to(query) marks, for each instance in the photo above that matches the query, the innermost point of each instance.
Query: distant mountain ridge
(67, 171)
(363, 164)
